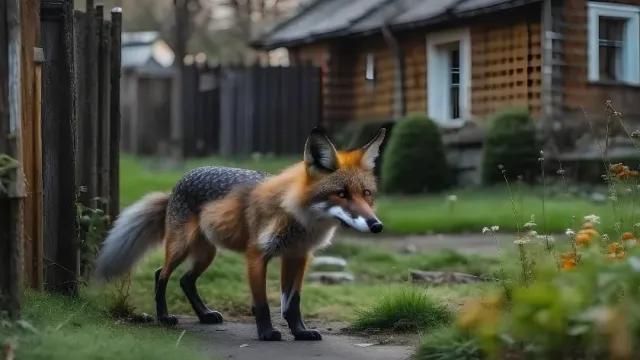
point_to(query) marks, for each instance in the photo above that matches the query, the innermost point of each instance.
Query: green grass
(448, 343)
(474, 209)
(62, 328)
(224, 285)
(408, 310)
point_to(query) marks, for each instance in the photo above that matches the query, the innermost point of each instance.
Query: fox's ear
(319, 153)
(371, 150)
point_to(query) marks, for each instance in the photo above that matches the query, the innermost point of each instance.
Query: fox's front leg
(291, 277)
(257, 271)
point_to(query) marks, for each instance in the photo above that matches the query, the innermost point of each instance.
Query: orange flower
(590, 232)
(617, 168)
(615, 247)
(627, 236)
(568, 261)
(616, 251)
(588, 225)
(583, 239)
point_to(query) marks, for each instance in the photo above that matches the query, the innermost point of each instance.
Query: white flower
(452, 198)
(522, 241)
(546, 238)
(532, 233)
(531, 223)
(493, 229)
(570, 232)
(592, 219)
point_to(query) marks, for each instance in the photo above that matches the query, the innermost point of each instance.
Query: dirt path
(239, 342)
(464, 243)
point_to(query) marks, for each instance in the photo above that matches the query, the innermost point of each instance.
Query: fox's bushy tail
(138, 228)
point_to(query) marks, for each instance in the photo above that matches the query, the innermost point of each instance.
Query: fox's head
(341, 185)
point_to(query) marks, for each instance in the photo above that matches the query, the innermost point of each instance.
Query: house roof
(142, 48)
(325, 19)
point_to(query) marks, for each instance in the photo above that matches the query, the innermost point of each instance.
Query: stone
(598, 197)
(329, 262)
(443, 277)
(409, 249)
(330, 277)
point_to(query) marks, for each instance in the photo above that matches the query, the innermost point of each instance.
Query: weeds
(7, 165)
(407, 310)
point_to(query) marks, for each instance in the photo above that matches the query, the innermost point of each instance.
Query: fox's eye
(367, 193)
(342, 194)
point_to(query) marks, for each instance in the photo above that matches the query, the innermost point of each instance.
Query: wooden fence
(69, 138)
(229, 111)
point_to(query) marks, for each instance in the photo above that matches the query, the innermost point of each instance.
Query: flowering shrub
(584, 303)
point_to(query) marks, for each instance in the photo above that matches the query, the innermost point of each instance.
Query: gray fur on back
(137, 229)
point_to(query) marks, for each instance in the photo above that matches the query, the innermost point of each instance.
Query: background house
(461, 60)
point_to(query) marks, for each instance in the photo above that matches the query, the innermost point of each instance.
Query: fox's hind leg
(176, 246)
(202, 254)
(291, 276)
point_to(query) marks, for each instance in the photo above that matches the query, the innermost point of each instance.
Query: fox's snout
(364, 221)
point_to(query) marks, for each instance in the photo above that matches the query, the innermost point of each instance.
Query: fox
(289, 215)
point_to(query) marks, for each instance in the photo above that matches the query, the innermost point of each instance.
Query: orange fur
(348, 159)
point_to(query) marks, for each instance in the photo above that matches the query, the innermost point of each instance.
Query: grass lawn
(473, 210)
(58, 328)
(224, 286)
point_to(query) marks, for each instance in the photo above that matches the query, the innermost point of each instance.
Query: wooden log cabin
(461, 60)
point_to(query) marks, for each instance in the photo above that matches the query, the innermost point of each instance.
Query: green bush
(511, 144)
(366, 131)
(414, 160)
(408, 310)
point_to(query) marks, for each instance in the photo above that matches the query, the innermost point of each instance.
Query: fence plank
(114, 112)
(104, 43)
(29, 14)
(12, 198)
(58, 125)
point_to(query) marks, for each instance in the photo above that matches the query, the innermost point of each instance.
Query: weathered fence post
(58, 132)
(114, 113)
(12, 194)
(31, 57)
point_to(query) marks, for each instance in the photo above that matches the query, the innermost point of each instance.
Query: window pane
(454, 86)
(611, 29)
(609, 62)
(455, 58)
(455, 102)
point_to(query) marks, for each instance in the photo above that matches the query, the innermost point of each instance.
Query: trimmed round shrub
(511, 146)
(366, 131)
(414, 160)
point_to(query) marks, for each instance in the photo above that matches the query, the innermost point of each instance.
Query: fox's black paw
(270, 335)
(307, 335)
(169, 320)
(211, 317)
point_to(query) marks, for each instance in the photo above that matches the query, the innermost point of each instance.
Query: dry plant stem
(564, 180)
(544, 196)
(523, 262)
(605, 162)
(624, 126)
(503, 275)
(513, 203)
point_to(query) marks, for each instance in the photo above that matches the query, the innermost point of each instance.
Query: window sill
(614, 84)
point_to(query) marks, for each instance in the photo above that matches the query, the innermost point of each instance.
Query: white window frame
(438, 77)
(631, 39)
(370, 67)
